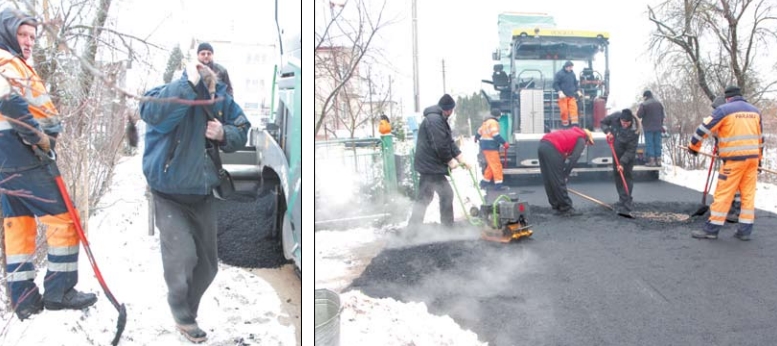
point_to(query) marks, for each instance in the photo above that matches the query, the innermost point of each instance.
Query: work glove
(507, 145)
(620, 169)
(192, 73)
(44, 143)
(452, 164)
(477, 137)
(561, 94)
(579, 93)
(693, 152)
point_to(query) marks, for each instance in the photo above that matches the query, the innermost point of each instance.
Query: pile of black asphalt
(595, 279)
(246, 231)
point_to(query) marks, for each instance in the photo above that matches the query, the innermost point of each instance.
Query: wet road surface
(596, 279)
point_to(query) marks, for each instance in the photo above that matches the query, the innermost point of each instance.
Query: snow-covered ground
(342, 255)
(239, 308)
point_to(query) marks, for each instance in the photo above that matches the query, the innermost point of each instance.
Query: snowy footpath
(239, 308)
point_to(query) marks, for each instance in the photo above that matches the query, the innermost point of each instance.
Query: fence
(355, 179)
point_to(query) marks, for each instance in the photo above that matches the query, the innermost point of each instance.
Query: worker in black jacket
(623, 130)
(436, 153)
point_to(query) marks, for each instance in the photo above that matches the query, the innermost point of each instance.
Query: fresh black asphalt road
(596, 279)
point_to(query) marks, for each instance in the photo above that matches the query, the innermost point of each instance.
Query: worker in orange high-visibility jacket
(28, 118)
(385, 125)
(490, 142)
(738, 127)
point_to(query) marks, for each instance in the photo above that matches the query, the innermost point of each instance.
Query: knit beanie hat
(568, 63)
(626, 115)
(204, 46)
(733, 90)
(446, 102)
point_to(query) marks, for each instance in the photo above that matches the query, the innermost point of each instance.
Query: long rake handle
(591, 199)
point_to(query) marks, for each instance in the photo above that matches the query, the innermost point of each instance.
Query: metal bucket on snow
(327, 318)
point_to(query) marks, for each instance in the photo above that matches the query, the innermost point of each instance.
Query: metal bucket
(327, 318)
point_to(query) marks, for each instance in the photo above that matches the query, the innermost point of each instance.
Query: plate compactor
(504, 217)
(501, 216)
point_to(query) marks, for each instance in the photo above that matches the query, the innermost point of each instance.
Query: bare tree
(360, 108)
(341, 45)
(719, 39)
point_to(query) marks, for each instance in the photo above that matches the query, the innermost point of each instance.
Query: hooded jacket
(175, 160)
(435, 146)
(28, 97)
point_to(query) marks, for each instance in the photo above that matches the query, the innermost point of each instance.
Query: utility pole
(443, 77)
(391, 99)
(416, 96)
(372, 116)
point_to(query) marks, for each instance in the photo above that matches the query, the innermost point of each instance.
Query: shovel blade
(626, 214)
(703, 210)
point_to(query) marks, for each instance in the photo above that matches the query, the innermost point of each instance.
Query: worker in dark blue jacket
(182, 176)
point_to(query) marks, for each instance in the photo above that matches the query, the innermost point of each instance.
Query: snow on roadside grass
(765, 194)
(371, 321)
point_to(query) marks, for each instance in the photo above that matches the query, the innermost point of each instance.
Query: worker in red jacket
(558, 153)
(490, 141)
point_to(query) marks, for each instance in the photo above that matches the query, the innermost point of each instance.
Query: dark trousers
(623, 197)
(552, 169)
(427, 186)
(187, 231)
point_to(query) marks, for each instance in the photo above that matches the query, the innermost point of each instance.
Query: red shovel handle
(617, 164)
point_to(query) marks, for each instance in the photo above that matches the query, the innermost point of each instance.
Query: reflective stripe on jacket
(26, 83)
(738, 127)
(488, 135)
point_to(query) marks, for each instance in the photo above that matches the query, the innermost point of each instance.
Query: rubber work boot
(499, 187)
(73, 300)
(30, 309)
(742, 236)
(651, 162)
(485, 184)
(658, 162)
(701, 234)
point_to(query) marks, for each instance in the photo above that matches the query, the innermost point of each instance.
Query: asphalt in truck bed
(596, 279)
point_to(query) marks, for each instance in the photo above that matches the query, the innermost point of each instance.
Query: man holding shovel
(29, 119)
(623, 130)
(738, 127)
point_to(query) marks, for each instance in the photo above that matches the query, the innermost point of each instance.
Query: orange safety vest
(26, 82)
